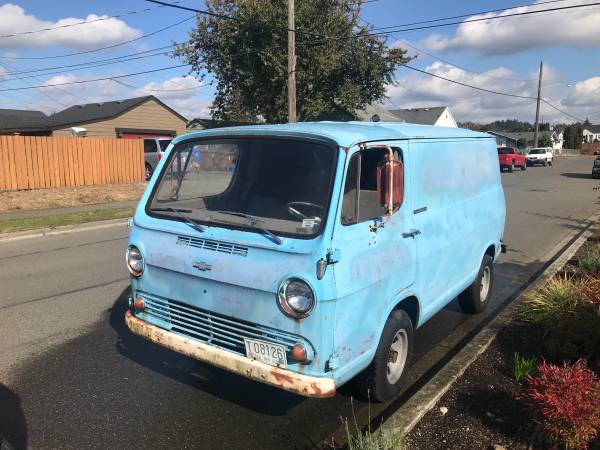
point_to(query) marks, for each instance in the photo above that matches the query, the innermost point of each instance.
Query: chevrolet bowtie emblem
(201, 265)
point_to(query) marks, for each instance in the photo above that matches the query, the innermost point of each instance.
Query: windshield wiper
(178, 212)
(252, 221)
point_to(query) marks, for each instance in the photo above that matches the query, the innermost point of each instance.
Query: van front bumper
(284, 379)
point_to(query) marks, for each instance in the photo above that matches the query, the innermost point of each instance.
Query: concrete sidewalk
(18, 214)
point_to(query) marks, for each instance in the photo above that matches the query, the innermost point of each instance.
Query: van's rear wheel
(383, 379)
(476, 297)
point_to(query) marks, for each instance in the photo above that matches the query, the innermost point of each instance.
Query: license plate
(266, 352)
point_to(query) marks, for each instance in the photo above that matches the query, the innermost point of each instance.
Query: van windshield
(265, 185)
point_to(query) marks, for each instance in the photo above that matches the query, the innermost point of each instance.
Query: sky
(499, 55)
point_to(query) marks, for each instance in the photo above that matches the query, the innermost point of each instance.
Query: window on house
(360, 202)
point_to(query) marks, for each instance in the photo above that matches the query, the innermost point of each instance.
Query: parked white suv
(540, 156)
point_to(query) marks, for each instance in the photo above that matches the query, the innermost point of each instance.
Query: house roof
(19, 119)
(528, 135)
(495, 133)
(422, 116)
(593, 128)
(370, 111)
(344, 134)
(92, 112)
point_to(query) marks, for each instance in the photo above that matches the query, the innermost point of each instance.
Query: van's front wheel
(382, 380)
(476, 297)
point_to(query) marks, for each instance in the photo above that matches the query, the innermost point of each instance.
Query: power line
(103, 48)
(157, 90)
(83, 22)
(94, 80)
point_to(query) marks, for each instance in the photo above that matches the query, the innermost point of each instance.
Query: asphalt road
(71, 376)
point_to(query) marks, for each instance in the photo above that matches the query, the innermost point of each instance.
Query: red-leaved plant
(565, 401)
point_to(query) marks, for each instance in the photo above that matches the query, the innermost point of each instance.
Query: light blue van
(305, 255)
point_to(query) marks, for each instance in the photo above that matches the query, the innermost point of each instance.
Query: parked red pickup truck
(509, 158)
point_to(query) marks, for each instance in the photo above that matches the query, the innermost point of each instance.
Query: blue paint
(451, 172)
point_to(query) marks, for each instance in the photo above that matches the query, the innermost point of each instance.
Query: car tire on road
(550, 162)
(511, 168)
(476, 297)
(148, 172)
(383, 378)
(524, 166)
(544, 164)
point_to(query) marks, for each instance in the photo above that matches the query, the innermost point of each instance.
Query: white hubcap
(484, 287)
(397, 357)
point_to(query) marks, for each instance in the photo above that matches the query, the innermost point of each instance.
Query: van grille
(212, 328)
(213, 246)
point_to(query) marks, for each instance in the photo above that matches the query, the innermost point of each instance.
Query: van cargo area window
(279, 185)
(360, 202)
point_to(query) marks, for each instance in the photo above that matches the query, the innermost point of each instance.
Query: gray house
(503, 140)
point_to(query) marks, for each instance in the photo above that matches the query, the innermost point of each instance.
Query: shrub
(590, 259)
(522, 367)
(369, 439)
(553, 302)
(570, 318)
(565, 401)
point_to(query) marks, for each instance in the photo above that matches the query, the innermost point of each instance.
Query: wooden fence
(590, 148)
(35, 162)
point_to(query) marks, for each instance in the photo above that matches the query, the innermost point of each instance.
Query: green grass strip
(33, 223)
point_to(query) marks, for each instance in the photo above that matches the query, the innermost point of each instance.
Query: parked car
(304, 255)
(543, 156)
(154, 149)
(510, 157)
(596, 168)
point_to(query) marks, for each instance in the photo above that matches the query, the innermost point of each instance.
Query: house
(27, 123)
(129, 118)
(435, 115)
(503, 140)
(556, 138)
(591, 133)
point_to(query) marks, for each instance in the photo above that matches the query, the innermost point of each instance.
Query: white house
(435, 115)
(591, 133)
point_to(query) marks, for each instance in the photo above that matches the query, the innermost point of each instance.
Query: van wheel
(383, 379)
(476, 297)
(148, 172)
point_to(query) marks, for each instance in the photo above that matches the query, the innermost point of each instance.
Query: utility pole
(291, 62)
(537, 109)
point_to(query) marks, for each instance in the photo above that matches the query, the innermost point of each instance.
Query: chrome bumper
(281, 378)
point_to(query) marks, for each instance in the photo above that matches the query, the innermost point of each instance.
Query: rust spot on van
(282, 378)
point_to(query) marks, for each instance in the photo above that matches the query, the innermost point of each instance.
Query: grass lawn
(32, 223)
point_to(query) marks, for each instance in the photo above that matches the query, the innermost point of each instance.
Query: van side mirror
(390, 183)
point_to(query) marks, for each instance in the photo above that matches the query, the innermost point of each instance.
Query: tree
(340, 69)
(544, 140)
(522, 143)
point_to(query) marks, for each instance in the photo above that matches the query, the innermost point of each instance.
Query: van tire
(470, 300)
(374, 382)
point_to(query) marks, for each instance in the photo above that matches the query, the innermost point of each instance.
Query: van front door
(376, 253)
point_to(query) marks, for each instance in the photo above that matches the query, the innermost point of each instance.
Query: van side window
(360, 202)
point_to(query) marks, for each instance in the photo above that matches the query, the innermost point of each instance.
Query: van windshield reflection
(271, 186)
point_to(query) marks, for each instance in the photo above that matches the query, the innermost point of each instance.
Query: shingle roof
(19, 119)
(593, 128)
(422, 116)
(91, 112)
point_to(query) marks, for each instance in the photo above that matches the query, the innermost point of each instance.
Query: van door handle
(411, 233)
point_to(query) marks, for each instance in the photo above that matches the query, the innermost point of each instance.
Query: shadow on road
(13, 428)
(577, 175)
(212, 380)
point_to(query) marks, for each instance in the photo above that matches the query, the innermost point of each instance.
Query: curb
(412, 411)
(65, 229)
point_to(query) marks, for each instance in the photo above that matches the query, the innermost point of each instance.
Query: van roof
(344, 134)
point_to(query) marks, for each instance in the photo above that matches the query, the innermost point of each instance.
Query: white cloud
(569, 28)
(414, 91)
(104, 32)
(585, 93)
(179, 94)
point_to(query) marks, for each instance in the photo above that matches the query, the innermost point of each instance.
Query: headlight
(296, 298)
(134, 260)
